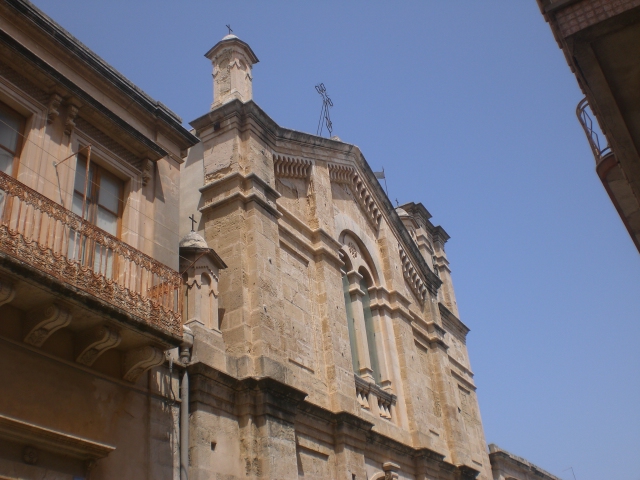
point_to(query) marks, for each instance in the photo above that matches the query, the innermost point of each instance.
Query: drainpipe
(185, 358)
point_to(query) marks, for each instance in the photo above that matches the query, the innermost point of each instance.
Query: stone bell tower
(232, 61)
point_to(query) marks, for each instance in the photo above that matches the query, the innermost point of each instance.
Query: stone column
(356, 293)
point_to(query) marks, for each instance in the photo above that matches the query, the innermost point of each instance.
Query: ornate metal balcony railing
(43, 234)
(592, 136)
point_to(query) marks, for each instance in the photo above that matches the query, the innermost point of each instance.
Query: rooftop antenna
(380, 176)
(326, 104)
(229, 27)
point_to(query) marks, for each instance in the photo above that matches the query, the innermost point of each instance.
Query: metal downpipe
(185, 358)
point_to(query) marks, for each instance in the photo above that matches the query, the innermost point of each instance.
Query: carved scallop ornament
(412, 277)
(290, 167)
(349, 176)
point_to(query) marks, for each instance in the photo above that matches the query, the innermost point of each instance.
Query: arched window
(356, 282)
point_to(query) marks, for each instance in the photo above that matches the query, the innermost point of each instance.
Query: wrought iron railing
(586, 121)
(43, 234)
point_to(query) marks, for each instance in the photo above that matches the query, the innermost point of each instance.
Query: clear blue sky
(469, 106)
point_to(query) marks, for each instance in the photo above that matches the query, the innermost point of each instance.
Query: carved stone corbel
(94, 342)
(7, 292)
(147, 171)
(52, 107)
(138, 361)
(72, 113)
(44, 322)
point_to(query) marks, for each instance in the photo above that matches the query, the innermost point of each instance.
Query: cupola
(232, 61)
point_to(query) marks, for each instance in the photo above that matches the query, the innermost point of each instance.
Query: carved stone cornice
(285, 166)
(16, 430)
(43, 322)
(236, 186)
(138, 361)
(7, 292)
(349, 176)
(94, 342)
(453, 323)
(412, 277)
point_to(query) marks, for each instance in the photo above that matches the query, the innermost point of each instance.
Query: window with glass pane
(102, 207)
(11, 125)
(371, 332)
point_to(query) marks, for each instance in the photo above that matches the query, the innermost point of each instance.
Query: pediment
(349, 176)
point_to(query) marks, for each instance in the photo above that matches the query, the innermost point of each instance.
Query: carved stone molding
(69, 122)
(411, 276)
(42, 323)
(138, 361)
(94, 342)
(349, 176)
(7, 292)
(53, 107)
(290, 167)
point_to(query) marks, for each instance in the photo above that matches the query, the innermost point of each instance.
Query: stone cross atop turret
(232, 61)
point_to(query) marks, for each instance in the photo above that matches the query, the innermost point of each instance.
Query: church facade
(241, 301)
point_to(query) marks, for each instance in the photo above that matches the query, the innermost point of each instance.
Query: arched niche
(346, 225)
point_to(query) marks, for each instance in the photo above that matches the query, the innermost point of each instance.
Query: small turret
(232, 61)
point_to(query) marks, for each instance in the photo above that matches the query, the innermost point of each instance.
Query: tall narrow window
(205, 300)
(103, 208)
(350, 323)
(371, 332)
(11, 125)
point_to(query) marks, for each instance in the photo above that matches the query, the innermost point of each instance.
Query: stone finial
(232, 61)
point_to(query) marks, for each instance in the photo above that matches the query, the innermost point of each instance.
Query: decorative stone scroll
(69, 123)
(138, 361)
(44, 322)
(7, 292)
(411, 276)
(349, 176)
(94, 342)
(53, 107)
(290, 167)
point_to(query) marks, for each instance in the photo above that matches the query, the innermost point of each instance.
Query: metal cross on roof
(229, 27)
(193, 222)
(326, 104)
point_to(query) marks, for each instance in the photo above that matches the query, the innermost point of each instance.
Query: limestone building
(599, 39)
(238, 301)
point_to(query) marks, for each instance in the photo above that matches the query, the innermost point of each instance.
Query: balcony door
(102, 207)
(11, 125)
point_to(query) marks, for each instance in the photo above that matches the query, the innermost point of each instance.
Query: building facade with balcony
(90, 294)
(599, 39)
(238, 302)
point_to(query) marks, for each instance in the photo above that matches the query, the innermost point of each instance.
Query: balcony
(374, 399)
(39, 233)
(599, 152)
